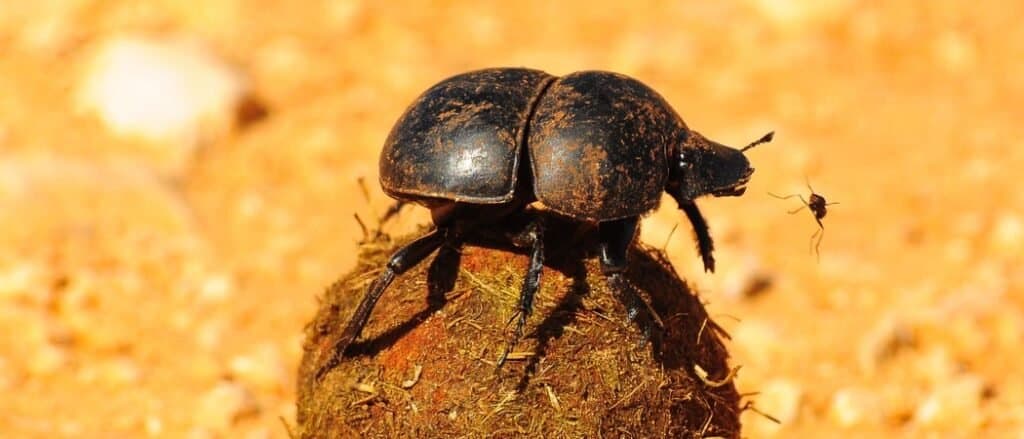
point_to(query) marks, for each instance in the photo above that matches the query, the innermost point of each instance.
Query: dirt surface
(160, 288)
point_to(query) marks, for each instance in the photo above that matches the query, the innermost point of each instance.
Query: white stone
(153, 425)
(47, 34)
(745, 278)
(216, 288)
(852, 406)
(757, 342)
(953, 403)
(954, 51)
(780, 398)
(224, 405)
(48, 359)
(935, 364)
(172, 90)
(886, 337)
(16, 280)
(121, 371)
(262, 368)
(1008, 234)
(799, 14)
(209, 334)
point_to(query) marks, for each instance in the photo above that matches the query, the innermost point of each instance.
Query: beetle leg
(390, 213)
(401, 261)
(533, 236)
(616, 236)
(700, 228)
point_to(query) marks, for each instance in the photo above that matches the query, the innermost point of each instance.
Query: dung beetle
(599, 147)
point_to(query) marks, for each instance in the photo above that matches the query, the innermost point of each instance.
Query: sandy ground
(160, 287)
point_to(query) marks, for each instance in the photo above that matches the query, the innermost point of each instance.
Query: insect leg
(799, 208)
(801, 197)
(533, 237)
(401, 261)
(820, 234)
(784, 197)
(616, 236)
(391, 212)
(700, 228)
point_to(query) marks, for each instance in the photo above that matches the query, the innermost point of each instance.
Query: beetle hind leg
(401, 261)
(532, 237)
(616, 237)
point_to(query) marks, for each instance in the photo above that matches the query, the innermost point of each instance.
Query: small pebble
(208, 334)
(758, 342)
(852, 406)
(746, 280)
(216, 288)
(1008, 234)
(886, 338)
(48, 34)
(936, 364)
(279, 58)
(954, 51)
(795, 15)
(262, 368)
(780, 398)
(120, 371)
(171, 90)
(221, 407)
(48, 359)
(956, 403)
(154, 425)
(16, 281)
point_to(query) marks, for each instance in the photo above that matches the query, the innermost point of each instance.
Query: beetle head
(705, 167)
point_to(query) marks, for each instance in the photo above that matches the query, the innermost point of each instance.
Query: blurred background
(178, 182)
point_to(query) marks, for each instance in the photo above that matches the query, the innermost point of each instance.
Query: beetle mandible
(593, 146)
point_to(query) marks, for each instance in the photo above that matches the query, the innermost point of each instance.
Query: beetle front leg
(616, 237)
(705, 245)
(532, 237)
(401, 261)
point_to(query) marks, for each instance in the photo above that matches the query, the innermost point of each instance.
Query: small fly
(818, 206)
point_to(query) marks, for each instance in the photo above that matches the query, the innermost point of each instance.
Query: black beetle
(593, 146)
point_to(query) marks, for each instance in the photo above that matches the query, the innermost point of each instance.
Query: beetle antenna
(764, 139)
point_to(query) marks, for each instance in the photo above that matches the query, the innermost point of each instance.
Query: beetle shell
(461, 140)
(599, 145)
